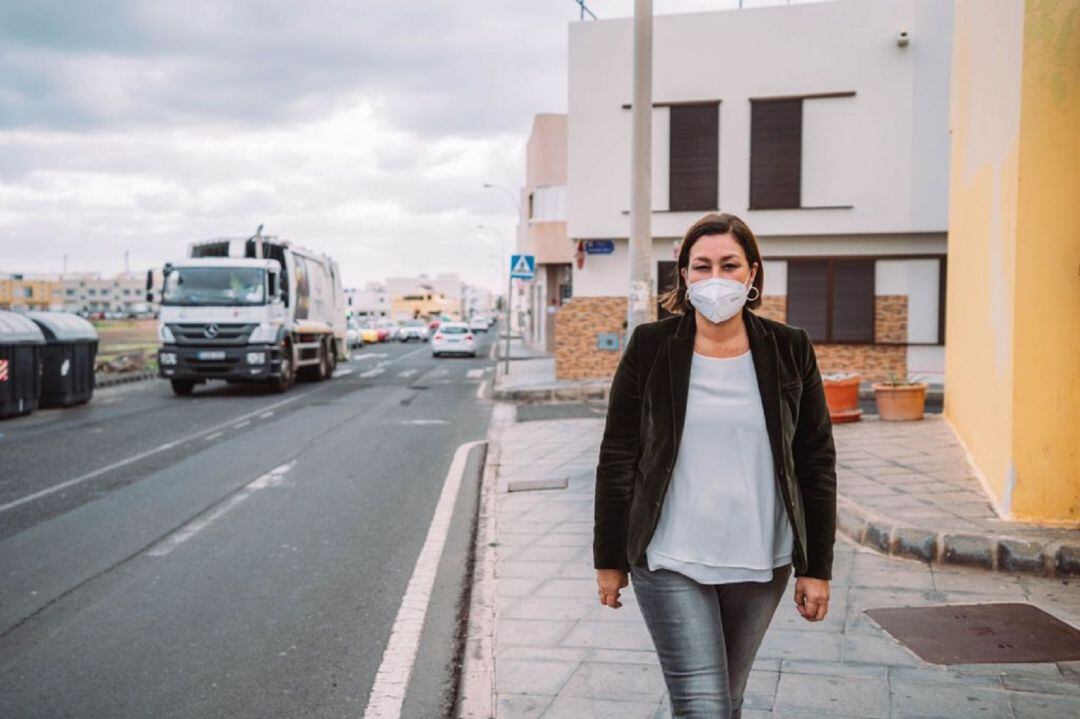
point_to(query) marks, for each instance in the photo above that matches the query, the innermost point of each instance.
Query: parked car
(478, 323)
(353, 333)
(388, 330)
(413, 330)
(453, 338)
(369, 333)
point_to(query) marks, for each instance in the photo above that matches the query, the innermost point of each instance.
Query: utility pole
(641, 171)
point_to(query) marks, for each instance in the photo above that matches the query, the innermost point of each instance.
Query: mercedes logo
(210, 331)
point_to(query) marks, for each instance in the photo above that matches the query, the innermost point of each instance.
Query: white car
(353, 334)
(413, 330)
(479, 323)
(453, 338)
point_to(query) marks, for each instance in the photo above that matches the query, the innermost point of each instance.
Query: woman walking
(717, 473)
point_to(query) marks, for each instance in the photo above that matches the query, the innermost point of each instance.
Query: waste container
(71, 344)
(21, 343)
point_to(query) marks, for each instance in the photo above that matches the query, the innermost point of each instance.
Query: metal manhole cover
(980, 633)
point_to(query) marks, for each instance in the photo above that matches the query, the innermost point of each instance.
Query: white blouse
(723, 519)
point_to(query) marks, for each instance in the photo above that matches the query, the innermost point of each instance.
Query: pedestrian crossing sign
(523, 267)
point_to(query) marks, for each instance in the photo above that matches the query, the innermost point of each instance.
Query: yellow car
(369, 333)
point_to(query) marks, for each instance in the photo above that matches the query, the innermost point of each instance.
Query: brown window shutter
(775, 154)
(853, 301)
(808, 297)
(694, 182)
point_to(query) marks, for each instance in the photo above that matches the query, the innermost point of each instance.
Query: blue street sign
(523, 267)
(599, 247)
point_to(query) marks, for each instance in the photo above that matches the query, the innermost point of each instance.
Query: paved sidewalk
(907, 488)
(558, 653)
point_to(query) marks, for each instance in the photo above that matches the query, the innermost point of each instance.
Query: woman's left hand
(812, 598)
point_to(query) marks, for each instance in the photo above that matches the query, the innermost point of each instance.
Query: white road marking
(406, 373)
(423, 421)
(241, 425)
(369, 355)
(373, 372)
(392, 678)
(168, 445)
(475, 373)
(343, 372)
(273, 478)
(212, 437)
(266, 415)
(480, 389)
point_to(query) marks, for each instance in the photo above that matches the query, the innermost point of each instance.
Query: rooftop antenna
(585, 10)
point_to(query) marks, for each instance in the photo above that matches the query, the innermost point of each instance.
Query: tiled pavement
(909, 489)
(558, 653)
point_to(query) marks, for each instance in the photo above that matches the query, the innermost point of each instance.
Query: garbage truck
(256, 309)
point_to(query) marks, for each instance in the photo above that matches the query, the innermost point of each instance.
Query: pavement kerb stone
(111, 380)
(477, 692)
(980, 551)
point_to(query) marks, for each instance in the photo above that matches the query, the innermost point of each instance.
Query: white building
(828, 130)
(91, 292)
(371, 300)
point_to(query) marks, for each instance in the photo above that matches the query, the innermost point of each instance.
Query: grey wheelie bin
(71, 344)
(21, 344)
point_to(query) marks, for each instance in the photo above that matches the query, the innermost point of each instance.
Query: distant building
(542, 228)
(89, 292)
(28, 292)
(370, 301)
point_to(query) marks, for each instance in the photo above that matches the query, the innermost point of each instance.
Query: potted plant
(900, 398)
(842, 396)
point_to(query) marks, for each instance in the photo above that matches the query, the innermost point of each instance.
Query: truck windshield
(215, 286)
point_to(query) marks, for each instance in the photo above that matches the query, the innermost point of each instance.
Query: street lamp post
(509, 296)
(641, 170)
(510, 276)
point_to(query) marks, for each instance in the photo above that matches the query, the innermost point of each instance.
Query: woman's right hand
(609, 582)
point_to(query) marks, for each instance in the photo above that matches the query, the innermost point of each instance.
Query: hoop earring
(755, 289)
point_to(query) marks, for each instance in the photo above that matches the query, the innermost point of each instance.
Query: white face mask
(717, 298)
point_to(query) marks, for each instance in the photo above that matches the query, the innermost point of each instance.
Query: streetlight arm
(510, 193)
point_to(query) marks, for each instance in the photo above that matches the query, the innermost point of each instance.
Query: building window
(693, 157)
(28, 293)
(548, 204)
(833, 300)
(776, 151)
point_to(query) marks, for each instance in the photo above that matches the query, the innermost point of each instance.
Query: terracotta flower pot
(900, 402)
(842, 397)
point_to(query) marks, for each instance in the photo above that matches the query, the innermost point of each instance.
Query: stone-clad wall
(890, 318)
(579, 320)
(576, 325)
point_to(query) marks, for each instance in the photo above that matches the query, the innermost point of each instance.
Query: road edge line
(387, 694)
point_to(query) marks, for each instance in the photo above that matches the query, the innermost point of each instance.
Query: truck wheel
(333, 357)
(324, 370)
(182, 387)
(287, 374)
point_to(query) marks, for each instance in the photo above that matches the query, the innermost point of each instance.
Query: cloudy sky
(363, 128)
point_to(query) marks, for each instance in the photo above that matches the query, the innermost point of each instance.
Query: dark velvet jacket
(646, 412)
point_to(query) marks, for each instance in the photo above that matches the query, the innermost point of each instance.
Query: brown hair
(675, 300)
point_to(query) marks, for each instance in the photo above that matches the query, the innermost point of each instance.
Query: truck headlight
(256, 358)
(165, 335)
(264, 334)
(167, 358)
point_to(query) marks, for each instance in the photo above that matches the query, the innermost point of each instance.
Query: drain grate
(980, 633)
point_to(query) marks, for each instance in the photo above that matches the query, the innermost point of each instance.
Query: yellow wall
(1013, 308)
(43, 293)
(1046, 353)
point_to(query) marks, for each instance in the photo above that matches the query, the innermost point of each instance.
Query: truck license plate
(211, 354)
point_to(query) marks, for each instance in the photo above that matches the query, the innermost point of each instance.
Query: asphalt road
(236, 553)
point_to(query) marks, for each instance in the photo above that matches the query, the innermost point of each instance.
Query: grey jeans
(706, 636)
